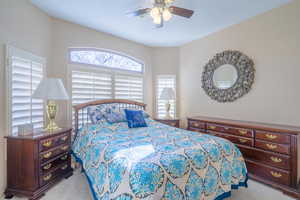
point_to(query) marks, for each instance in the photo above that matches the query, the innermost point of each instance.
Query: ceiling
(109, 16)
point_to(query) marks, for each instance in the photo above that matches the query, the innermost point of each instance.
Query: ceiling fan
(162, 11)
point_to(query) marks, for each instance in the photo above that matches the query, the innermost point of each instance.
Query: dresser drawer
(271, 159)
(234, 139)
(216, 127)
(269, 173)
(274, 147)
(58, 171)
(47, 144)
(239, 131)
(197, 130)
(48, 155)
(273, 137)
(49, 166)
(196, 124)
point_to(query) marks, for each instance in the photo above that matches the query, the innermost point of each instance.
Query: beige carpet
(76, 188)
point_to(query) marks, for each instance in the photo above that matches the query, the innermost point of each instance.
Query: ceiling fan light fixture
(155, 12)
(167, 15)
(157, 20)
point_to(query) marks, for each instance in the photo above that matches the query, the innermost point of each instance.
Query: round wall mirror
(228, 76)
(225, 76)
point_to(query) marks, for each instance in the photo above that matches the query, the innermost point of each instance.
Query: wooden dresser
(270, 151)
(36, 162)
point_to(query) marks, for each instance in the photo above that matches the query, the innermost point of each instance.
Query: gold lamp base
(51, 113)
(168, 108)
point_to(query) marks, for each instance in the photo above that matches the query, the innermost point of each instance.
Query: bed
(154, 162)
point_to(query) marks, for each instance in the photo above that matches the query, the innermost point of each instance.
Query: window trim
(106, 51)
(156, 91)
(9, 52)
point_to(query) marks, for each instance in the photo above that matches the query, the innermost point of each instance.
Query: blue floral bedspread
(157, 162)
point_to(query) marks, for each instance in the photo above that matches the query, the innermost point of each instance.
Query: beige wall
(272, 40)
(26, 27)
(165, 61)
(67, 35)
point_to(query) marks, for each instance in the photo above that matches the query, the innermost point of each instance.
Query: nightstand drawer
(50, 166)
(56, 172)
(45, 156)
(170, 122)
(49, 143)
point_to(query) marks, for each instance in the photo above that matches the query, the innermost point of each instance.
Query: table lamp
(51, 89)
(167, 94)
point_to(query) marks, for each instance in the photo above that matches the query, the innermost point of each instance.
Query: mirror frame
(245, 70)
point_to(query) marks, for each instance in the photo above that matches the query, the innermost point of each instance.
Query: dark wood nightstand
(170, 122)
(36, 162)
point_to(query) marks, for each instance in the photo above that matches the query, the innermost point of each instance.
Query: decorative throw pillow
(96, 113)
(114, 114)
(135, 118)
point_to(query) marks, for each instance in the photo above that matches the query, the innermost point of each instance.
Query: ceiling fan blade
(139, 12)
(181, 12)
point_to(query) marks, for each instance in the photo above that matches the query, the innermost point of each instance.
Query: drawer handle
(212, 127)
(46, 167)
(47, 178)
(276, 160)
(64, 138)
(47, 155)
(271, 137)
(271, 146)
(243, 132)
(47, 144)
(64, 167)
(64, 148)
(243, 140)
(64, 157)
(276, 174)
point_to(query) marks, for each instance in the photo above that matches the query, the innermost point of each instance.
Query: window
(104, 58)
(24, 73)
(165, 81)
(90, 83)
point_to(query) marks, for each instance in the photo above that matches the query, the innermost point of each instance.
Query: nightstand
(36, 162)
(170, 122)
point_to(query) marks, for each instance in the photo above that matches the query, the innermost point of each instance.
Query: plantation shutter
(24, 73)
(129, 87)
(165, 81)
(89, 86)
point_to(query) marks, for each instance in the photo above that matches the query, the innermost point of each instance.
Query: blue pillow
(135, 118)
(114, 114)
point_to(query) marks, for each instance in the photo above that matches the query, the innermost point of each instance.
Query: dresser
(270, 151)
(170, 122)
(36, 162)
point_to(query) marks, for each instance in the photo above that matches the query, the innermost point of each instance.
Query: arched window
(105, 58)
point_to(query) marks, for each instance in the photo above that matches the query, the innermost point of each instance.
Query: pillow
(96, 113)
(135, 118)
(113, 114)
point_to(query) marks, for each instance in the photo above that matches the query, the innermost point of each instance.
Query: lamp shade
(51, 89)
(167, 94)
